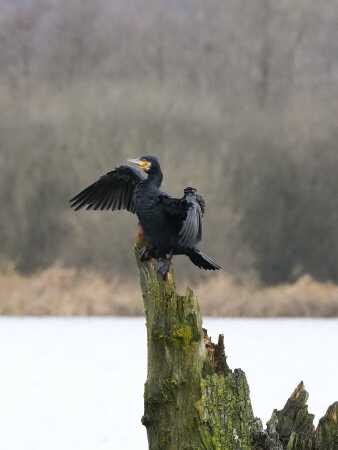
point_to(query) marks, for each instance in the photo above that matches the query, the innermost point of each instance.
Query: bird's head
(146, 163)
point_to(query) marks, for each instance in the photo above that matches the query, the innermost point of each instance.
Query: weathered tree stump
(193, 401)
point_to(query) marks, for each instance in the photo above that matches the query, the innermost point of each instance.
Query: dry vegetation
(65, 292)
(60, 291)
(237, 98)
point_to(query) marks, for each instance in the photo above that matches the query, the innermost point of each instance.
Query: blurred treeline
(236, 97)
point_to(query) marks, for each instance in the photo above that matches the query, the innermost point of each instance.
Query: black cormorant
(170, 226)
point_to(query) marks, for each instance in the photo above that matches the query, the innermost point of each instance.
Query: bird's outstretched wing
(191, 231)
(110, 192)
(201, 202)
(187, 212)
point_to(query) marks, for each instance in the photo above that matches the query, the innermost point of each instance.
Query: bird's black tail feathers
(201, 260)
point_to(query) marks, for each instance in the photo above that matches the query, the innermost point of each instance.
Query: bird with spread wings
(170, 226)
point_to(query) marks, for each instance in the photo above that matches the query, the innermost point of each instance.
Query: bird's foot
(163, 267)
(145, 253)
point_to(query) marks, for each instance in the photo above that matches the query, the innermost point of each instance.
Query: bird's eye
(145, 165)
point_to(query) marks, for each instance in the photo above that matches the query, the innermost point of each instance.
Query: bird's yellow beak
(142, 163)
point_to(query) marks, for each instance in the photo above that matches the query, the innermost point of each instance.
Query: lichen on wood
(327, 431)
(194, 401)
(292, 427)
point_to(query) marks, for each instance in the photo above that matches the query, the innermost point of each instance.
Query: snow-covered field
(77, 384)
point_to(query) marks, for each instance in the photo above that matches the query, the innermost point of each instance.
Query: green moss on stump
(327, 431)
(225, 410)
(193, 401)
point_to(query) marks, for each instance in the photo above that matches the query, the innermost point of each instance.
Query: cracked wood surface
(194, 401)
